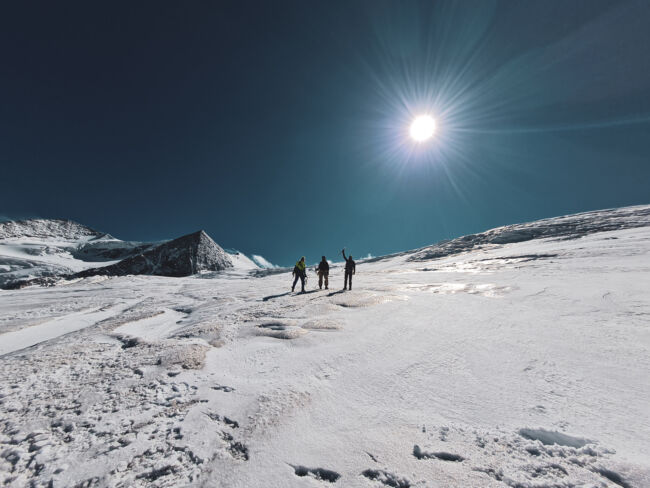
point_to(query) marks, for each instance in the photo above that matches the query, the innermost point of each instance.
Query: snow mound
(322, 324)
(186, 355)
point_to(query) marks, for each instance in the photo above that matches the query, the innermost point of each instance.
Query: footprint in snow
(386, 478)
(444, 456)
(321, 474)
(280, 330)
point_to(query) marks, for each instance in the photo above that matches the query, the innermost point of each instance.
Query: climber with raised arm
(350, 269)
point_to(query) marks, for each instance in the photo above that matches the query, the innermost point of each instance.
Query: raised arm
(343, 252)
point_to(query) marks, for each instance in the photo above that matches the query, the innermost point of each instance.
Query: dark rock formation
(184, 256)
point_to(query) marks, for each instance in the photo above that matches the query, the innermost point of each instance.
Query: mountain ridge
(102, 254)
(44, 251)
(186, 255)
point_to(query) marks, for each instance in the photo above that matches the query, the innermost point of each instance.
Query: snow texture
(518, 363)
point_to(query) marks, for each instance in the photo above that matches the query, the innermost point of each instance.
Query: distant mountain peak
(184, 256)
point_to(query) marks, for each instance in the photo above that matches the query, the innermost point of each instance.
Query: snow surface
(521, 364)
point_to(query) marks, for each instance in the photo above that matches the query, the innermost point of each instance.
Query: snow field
(522, 364)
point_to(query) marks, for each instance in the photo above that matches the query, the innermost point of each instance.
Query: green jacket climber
(300, 271)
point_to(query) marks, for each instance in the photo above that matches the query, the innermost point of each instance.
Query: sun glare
(423, 128)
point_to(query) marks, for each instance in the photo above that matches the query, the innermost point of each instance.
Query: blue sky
(281, 128)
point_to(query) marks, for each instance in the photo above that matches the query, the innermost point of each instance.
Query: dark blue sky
(281, 127)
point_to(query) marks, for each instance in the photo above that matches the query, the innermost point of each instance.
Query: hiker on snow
(299, 271)
(350, 269)
(323, 271)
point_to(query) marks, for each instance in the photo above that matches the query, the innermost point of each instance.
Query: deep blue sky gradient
(279, 127)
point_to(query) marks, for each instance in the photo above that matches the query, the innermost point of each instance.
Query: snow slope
(520, 364)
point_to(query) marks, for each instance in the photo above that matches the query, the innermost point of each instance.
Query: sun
(423, 128)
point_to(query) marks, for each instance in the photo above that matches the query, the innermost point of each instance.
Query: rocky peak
(184, 256)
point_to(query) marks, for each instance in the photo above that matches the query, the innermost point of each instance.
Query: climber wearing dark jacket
(299, 271)
(350, 269)
(323, 271)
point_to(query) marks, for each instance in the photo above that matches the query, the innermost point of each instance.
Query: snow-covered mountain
(40, 251)
(41, 248)
(518, 357)
(565, 227)
(184, 256)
